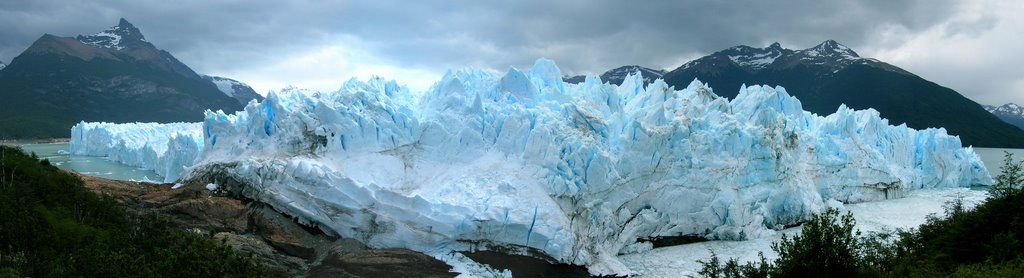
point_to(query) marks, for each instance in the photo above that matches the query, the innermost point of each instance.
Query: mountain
(235, 89)
(114, 75)
(1010, 113)
(830, 74)
(617, 75)
(2, 65)
(575, 79)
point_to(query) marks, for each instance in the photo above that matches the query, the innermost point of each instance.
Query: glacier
(165, 148)
(525, 163)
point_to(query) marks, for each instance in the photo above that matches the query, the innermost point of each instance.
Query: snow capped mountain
(2, 65)
(526, 163)
(829, 54)
(1009, 109)
(617, 75)
(830, 74)
(755, 58)
(233, 88)
(1010, 113)
(118, 37)
(114, 75)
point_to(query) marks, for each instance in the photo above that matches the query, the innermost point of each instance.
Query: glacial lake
(104, 168)
(89, 165)
(993, 157)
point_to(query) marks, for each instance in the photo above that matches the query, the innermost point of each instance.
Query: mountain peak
(1008, 108)
(124, 23)
(118, 37)
(629, 68)
(1009, 112)
(754, 58)
(831, 48)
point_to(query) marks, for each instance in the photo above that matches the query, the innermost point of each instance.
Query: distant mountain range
(617, 75)
(830, 74)
(114, 76)
(1010, 113)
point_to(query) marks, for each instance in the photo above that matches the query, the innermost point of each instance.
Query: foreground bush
(828, 246)
(52, 226)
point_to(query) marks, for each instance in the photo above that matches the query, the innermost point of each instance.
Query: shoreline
(17, 142)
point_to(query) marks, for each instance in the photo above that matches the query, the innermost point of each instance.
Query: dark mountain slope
(114, 76)
(617, 75)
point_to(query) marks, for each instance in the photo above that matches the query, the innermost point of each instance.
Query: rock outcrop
(287, 248)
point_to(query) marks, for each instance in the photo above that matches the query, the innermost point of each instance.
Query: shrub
(1009, 181)
(828, 246)
(733, 269)
(52, 226)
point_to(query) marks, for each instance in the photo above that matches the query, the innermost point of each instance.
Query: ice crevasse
(577, 173)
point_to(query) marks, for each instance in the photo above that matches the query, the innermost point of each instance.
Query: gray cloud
(582, 36)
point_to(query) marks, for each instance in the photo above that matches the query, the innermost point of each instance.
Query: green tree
(714, 267)
(826, 247)
(1009, 181)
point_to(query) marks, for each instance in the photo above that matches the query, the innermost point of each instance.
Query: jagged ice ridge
(527, 162)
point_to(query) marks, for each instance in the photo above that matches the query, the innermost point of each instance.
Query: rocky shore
(287, 248)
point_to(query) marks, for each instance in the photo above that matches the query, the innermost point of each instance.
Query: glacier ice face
(522, 160)
(165, 148)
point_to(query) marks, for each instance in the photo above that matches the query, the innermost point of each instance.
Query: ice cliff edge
(522, 160)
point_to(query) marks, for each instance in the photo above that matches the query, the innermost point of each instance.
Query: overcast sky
(973, 47)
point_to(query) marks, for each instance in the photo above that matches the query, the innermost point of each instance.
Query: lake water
(993, 157)
(89, 165)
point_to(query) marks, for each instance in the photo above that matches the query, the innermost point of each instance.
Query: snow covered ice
(165, 148)
(522, 160)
